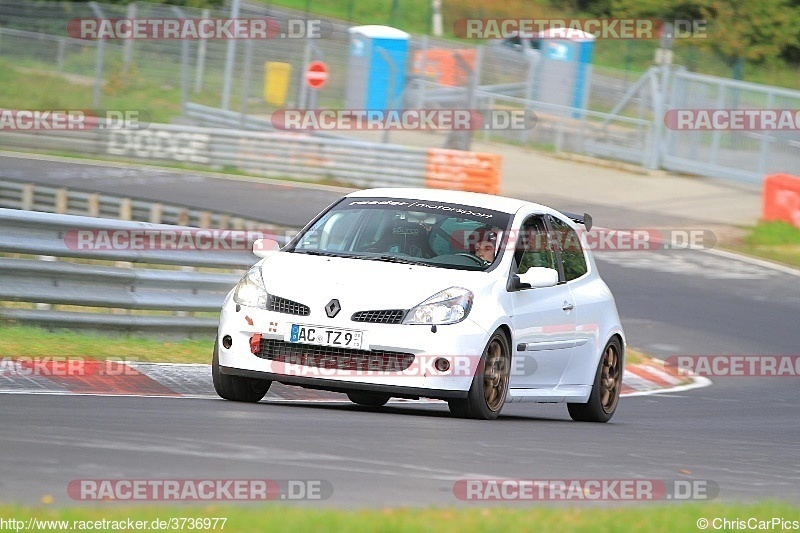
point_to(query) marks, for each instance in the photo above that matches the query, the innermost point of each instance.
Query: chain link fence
(621, 116)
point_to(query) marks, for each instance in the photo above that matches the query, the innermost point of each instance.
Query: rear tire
(368, 399)
(237, 388)
(604, 398)
(487, 395)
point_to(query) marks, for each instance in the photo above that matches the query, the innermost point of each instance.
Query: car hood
(360, 284)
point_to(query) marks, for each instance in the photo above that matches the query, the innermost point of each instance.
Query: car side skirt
(562, 393)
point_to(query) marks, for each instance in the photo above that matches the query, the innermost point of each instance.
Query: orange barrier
(447, 67)
(782, 199)
(463, 171)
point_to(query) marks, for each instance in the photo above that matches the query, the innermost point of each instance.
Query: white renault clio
(475, 299)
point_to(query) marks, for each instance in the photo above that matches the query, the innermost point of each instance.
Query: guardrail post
(60, 55)
(125, 209)
(26, 202)
(205, 219)
(156, 211)
(93, 205)
(39, 305)
(61, 201)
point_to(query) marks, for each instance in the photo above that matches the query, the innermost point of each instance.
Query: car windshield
(411, 231)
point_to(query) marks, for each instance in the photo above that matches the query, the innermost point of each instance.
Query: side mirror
(265, 247)
(539, 277)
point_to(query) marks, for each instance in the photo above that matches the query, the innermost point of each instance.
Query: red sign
(316, 74)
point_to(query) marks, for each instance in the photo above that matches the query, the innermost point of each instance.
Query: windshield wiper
(317, 252)
(395, 259)
(385, 257)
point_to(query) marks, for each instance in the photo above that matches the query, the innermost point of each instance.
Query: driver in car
(482, 242)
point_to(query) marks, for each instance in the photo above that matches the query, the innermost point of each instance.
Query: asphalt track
(740, 433)
(270, 201)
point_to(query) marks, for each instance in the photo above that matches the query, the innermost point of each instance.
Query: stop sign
(316, 74)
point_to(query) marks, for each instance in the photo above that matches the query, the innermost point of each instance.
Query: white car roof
(474, 199)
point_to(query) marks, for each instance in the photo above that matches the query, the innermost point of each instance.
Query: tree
(738, 30)
(757, 31)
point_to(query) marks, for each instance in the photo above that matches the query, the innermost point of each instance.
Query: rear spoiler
(585, 219)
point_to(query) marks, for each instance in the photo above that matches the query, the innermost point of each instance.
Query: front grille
(381, 316)
(290, 307)
(334, 358)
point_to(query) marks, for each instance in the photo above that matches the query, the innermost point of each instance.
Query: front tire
(237, 388)
(368, 399)
(487, 395)
(606, 388)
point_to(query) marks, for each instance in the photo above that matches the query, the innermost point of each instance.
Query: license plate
(322, 336)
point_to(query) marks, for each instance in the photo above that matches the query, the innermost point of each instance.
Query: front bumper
(460, 344)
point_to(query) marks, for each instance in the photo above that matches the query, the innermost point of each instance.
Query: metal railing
(277, 154)
(121, 287)
(64, 201)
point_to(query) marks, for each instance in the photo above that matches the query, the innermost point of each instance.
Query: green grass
(666, 518)
(26, 341)
(776, 241)
(33, 87)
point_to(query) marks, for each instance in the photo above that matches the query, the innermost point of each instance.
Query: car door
(543, 318)
(590, 301)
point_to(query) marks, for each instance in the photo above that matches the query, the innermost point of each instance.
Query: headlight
(250, 291)
(446, 307)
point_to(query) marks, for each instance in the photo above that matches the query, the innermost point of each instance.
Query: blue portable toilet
(376, 71)
(565, 68)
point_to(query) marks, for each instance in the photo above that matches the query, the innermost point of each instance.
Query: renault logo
(333, 308)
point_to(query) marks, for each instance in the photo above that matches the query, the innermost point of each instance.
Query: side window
(571, 251)
(534, 248)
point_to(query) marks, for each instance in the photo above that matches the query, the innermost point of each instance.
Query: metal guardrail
(207, 116)
(96, 293)
(64, 201)
(268, 153)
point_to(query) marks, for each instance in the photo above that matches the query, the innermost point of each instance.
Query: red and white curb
(650, 377)
(194, 381)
